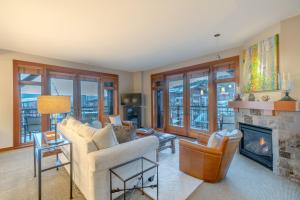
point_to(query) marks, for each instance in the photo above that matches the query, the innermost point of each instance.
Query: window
(110, 96)
(195, 98)
(88, 102)
(158, 102)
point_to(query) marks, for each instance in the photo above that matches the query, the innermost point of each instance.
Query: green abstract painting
(260, 66)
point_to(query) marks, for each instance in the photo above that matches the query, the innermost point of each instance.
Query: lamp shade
(53, 104)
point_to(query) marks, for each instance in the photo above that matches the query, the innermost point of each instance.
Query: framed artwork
(261, 65)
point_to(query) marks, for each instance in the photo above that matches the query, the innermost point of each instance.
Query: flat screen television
(131, 99)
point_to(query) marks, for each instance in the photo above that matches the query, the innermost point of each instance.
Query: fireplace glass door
(257, 144)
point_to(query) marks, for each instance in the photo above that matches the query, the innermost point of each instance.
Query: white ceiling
(134, 35)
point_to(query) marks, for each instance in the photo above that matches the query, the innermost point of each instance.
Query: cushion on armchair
(115, 120)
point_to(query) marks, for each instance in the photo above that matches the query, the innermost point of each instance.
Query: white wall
(6, 87)
(289, 60)
(290, 51)
(269, 32)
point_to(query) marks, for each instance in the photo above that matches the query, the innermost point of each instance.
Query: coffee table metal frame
(141, 173)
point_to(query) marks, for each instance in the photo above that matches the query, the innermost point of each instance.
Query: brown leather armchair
(209, 163)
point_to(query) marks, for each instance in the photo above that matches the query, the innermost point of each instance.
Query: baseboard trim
(6, 149)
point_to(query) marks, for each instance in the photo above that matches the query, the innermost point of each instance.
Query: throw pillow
(213, 141)
(115, 120)
(124, 134)
(105, 138)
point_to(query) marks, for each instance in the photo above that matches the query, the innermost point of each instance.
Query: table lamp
(54, 105)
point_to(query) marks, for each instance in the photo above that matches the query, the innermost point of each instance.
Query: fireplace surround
(285, 138)
(256, 144)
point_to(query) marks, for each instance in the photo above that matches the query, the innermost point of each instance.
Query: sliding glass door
(225, 88)
(28, 86)
(89, 99)
(188, 101)
(194, 100)
(94, 96)
(176, 104)
(30, 119)
(109, 105)
(157, 102)
(198, 101)
(62, 85)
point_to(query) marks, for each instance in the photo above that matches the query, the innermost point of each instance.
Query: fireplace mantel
(266, 107)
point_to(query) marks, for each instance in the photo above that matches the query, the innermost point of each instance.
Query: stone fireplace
(285, 142)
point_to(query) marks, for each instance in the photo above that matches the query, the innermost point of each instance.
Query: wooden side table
(41, 149)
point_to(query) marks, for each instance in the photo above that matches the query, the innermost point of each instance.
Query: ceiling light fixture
(217, 35)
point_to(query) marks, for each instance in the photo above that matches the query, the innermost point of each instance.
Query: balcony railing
(199, 117)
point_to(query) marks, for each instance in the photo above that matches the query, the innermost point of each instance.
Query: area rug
(173, 184)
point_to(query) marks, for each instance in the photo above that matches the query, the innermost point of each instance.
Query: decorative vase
(251, 97)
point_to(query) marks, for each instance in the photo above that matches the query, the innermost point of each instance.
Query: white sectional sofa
(91, 166)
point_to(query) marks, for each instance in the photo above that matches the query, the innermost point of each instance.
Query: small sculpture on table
(265, 98)
(251, 97)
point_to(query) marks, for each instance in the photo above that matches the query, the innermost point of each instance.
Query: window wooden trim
(47, 71)
(211, 67)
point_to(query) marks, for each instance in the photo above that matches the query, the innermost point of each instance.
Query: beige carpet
(18, 181)
(246, 180)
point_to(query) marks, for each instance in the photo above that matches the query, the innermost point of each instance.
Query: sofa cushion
(91, 146)
(72, 123)
(85, 131)
(96, 124)
(105, 138)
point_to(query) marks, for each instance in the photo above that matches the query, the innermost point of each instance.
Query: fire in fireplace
(257, 144)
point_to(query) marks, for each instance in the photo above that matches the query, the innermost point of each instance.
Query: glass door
(30, 119)
(62, 85)
(197, 105)
(109, 92)
(158, 103)
(28, 86)
(89, 99)
(176, 121)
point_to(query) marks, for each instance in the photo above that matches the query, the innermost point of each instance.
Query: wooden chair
(209, 162)
(33, 124)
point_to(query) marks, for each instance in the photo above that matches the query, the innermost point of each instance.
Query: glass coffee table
(133, 172)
